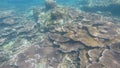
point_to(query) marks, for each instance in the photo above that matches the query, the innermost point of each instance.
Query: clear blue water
(82, 4)
(29, 3)
(22, 4)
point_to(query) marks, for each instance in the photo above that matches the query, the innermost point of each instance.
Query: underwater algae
(56, 36)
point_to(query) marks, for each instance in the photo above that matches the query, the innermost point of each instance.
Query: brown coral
(115, 47)
(58, 37)
(83, 37)
(106, 32)
(70, 46)
(108, 59)
(95, 65)
(83, 59)
(95, 54)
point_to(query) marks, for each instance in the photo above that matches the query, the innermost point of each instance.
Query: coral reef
(65, 38)
(50, 4)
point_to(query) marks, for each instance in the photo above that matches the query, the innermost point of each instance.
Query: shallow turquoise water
(82, 4)
(21, 4)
